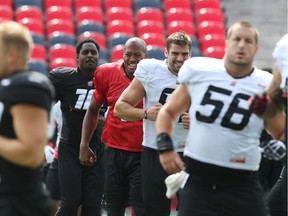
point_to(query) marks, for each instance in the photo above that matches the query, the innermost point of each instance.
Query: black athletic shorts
(52, 181)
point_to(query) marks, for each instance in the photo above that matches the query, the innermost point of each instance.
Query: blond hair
(244, 24)
(13, 34)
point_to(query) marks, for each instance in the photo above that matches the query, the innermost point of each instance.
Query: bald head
(137, 41)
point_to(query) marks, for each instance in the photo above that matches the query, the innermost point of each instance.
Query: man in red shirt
(123, 138)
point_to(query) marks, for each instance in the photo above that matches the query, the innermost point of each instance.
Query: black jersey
(19, 88)
(74, 92)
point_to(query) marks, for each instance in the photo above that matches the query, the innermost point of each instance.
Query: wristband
(164, 142)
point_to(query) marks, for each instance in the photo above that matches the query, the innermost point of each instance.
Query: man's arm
(125, 107)
(86, 155)
(277, 126)
(178, 103)
(31, 127)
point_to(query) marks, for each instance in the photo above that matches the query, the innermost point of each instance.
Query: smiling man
(79, 185)
(124, 139)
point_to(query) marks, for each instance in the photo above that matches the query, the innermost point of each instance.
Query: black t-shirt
(19, 88)
(74, 92)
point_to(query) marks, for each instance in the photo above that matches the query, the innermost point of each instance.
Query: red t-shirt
(109, 82)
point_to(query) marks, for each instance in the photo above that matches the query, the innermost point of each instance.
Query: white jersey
(56, 115)
(280, 53)
(159, 83)
(222, 131)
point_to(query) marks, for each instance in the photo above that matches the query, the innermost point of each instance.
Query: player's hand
(185, 120)
(171, 162)
(273, 149)
(258, 103)
(49, 154)
(86, 156)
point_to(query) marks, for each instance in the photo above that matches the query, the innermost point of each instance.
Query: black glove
(273, 149)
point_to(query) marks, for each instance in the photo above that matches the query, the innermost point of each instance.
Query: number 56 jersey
(223, 131)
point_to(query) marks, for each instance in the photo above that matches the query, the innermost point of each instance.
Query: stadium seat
(31, 12)
(210, 27)
(148, 26)
(88, 25)
(117, 53)
(119, 13)
(196, 52)
(179, 14)
(87, 3)
(62, 38)
(119, 26)
(155, 52)
(138, 4)
(62, 62)
(63, 3)
(210, 14)
(35, 26)
(195, 42)
(38, 52)
(8, 3)
(187, 27)
(99, 37)
(199, 4)
(58, 12)
(154, 39)
(39, 66)
(35, 3)
(62, 51)
(102, 61)
(6, 13)
(214, 52)
(148, 13)
(177, 4)
(38, 39)
(118, 3)
(94, 14)
(213, 40)
(103, 54)
(60, 25)
(117, 39)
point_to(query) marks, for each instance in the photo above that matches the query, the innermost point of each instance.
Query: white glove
(273, 149)
(49, 154)
(174, 182)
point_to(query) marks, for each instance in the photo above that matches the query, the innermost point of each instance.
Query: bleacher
(56, 26)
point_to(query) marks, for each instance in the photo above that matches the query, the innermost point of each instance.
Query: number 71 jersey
(223, 131)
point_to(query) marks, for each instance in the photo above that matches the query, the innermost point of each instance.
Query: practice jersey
(159, 83)
(30, 88)
(110, 81)
(74, 91)
(223, 131)
(280, 53)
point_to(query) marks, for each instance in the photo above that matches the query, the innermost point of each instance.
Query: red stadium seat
(118, 3)
(99, 37)
(154, 39)
(94, 14)
(149, 13)
(117, 53)
(34, 25)
(38, 52)
(148, 26)
(213, 40)
(87, 3)
(214, 52)
(187, 27)
(62, 62)
(119, 13)
(210, 27)
(210, 14)
(199, 4)
(60, 25)
(63, 3)
(179, 14)
(62, 51)
(177, 4)
(120, 26)
(8, 3)
(6, 13)
(58, 12)
(31, 12)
